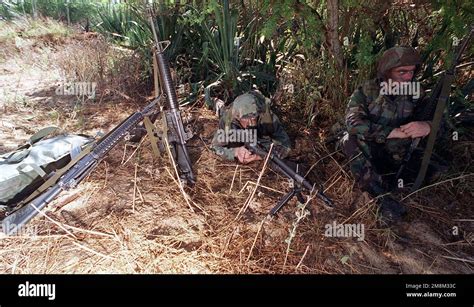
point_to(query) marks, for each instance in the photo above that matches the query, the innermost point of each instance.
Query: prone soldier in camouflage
(380, 127)
(249, 112)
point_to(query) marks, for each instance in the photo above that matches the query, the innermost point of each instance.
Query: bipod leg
(284, 200)
(300, 197)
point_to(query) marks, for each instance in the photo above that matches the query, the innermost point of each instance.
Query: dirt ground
(129, 215)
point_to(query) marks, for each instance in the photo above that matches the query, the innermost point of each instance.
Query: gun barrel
(288, 171)
(15, 221)
(155, 35)
(173, 116)
(11, 224)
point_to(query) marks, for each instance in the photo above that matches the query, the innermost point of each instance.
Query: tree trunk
(332, 35)
(34, 9)
(67, 13)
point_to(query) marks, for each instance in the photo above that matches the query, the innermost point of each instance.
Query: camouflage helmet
(244, 105)
(396, 57)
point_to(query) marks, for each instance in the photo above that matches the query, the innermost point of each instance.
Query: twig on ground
(250, 198)
(458, 259)
(53, 221)
(255, 239)
(233, 178)
(437, 183)
(170, 155)
(92, 251)
(133, 153)
(302, 258)
(134, 189)
(262, 186)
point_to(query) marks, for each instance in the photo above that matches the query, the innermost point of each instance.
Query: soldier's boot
(390, 210)
(437, 167)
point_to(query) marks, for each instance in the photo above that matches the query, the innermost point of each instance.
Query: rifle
(433, 112)
(72, 177)
(175, 133)
(299, 182)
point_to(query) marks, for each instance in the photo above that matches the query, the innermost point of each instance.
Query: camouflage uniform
(269, 127)
(370, 117)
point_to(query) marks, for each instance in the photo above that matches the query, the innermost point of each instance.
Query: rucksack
(26, 169)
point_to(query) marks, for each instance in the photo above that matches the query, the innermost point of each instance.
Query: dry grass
(116, 71)
(154, 231)
(130, 216)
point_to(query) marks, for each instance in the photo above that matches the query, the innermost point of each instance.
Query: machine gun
(73, 176)
(433, 112)
(299, 182)
(174, 130)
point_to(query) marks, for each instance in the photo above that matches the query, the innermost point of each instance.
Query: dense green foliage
(225, 47)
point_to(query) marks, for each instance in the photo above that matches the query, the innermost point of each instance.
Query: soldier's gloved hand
(245, 156)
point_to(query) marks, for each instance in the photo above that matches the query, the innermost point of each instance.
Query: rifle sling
(443, 97)
(156, 81)
(150, 129)
(442, 100)
(52, 180)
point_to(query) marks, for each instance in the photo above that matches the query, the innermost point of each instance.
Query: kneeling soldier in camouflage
(381, 124)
